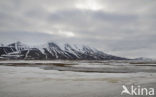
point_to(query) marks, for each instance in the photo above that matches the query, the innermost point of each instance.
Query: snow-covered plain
(26, 81)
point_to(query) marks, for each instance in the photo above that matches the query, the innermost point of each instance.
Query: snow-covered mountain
(52, 50)
(143, 59)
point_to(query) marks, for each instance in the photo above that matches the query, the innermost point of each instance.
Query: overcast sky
(120, 27)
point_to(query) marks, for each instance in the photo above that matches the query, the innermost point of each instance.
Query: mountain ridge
(52, 50)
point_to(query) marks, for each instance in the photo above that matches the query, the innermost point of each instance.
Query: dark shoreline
(67, 65)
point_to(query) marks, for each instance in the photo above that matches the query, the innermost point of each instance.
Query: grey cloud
(76, 16)
(135, 42)
(90, 22)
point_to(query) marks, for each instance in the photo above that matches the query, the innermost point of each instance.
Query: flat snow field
(36, 81)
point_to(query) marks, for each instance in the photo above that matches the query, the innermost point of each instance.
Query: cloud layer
(120, 27)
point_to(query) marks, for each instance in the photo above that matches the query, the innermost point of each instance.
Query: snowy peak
(54, 51)
(18, 46)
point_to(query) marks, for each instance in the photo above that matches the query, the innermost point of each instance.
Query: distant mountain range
(51, 51)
